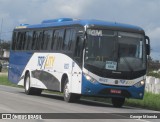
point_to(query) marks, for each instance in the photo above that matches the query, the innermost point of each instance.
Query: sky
(143, 13)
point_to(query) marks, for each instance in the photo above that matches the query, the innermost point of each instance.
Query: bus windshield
(116, 51)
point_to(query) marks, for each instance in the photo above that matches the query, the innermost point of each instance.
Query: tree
(5, 45)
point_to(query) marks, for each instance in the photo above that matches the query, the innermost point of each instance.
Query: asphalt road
(14, 100)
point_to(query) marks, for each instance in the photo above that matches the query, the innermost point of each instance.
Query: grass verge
(4, 81)
(150, 101)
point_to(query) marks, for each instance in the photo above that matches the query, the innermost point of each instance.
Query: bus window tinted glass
(47, 38)
(29, 40)
(14, 40)
(67, 39)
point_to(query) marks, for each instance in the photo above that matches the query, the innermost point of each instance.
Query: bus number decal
(66, 66)
(111, 65)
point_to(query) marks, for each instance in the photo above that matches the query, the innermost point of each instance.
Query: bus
(80, 58)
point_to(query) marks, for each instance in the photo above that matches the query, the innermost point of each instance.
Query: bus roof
(69, 21)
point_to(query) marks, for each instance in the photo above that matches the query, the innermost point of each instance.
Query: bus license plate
(115, 91)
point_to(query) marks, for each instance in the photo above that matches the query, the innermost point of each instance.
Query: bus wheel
(118, 102)
(28, 89)
(69, 97)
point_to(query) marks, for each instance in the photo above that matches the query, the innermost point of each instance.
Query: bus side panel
(76, 78)
(46, 71)
(17, 63)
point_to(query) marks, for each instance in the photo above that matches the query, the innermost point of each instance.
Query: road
(14, 100)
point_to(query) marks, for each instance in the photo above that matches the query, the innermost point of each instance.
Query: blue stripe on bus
(17, 63)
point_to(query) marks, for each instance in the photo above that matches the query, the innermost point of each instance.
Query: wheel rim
(66, 90)
(27, 84)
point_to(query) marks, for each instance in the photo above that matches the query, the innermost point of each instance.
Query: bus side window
(65, 45)
(19, 41)
(51, 40)
(14, 40)
(56, 35)
(72, 39)
(60, 39)
(79, 49)
(35, 40)
(40, 40)
(23, 40)
(29, 36)
(47, 38)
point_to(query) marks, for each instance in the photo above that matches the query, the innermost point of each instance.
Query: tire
(29, 90)
(118, 102)
(69, 97)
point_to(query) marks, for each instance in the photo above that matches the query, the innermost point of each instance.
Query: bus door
(77, 65)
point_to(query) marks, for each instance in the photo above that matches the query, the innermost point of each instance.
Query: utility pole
(1, 38)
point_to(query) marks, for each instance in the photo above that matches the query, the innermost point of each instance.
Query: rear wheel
(29, 90)
(118, 102)
(69, 97)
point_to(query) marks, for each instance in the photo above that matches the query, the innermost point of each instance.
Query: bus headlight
(89, 78)
(139, 84)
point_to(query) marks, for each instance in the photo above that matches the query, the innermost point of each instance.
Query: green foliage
(5, 45)
(150, 101)
(4, 81)
(156, 75)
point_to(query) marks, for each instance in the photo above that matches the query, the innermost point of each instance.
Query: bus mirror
(147, 45)
(148, 49)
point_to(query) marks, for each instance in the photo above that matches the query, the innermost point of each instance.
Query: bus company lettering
(49, 61)
(95, 32)
(41, 60)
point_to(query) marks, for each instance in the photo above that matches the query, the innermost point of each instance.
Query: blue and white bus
(80, 57)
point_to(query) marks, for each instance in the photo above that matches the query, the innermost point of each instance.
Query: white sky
(143, 13)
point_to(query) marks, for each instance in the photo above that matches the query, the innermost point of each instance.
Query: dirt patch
(3, 73)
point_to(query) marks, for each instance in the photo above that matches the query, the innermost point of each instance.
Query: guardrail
(152, 85)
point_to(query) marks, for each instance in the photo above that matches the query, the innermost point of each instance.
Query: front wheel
(28, 89)
(69, 97)
(118, 102)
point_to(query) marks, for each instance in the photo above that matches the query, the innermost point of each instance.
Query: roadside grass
(156, 75)
(4, 81)
(150, 101)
